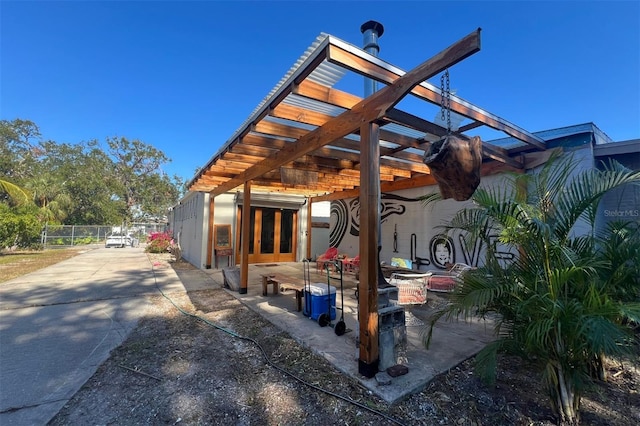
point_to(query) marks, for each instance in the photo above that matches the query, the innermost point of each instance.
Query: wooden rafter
(364, 64)
(295, 112)
(369, 110)
(393, 116)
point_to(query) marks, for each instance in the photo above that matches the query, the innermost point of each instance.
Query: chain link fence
(74, 235)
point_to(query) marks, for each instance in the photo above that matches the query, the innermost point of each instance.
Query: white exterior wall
(302, 236)
(189, 226)
(320, 212)
(224, 211)
(404, 214)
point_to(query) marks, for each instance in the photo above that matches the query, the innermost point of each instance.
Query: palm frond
(476, 294)
(429, 199)
(539, 333)
(486, 361)
(19, 195)
(584, 192)
(630, 312)
(448, 312)
(603, 336)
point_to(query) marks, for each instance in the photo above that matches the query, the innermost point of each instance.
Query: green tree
(95, 191)
(26, 161)
(84, 183)
(555, 304)
(19, 226)
(143, 187)
(18, 221)
(18, 147)
(51, 196)
(160, 192)
(80, 183)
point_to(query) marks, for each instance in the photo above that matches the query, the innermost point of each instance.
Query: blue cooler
(317, 299)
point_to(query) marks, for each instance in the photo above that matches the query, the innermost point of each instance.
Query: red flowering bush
(159, 242)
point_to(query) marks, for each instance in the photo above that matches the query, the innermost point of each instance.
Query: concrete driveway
(57, 325)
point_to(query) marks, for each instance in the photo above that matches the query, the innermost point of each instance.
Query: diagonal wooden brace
(369, 109)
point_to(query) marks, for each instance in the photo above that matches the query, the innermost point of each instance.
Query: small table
(269, 279)
(388, 270)
(284, 282)
(223, 252)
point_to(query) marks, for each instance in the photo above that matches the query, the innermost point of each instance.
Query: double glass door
(272, 235)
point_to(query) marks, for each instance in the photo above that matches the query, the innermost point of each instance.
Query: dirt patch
(175, 368)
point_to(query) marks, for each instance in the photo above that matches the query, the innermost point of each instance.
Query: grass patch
(22, 262)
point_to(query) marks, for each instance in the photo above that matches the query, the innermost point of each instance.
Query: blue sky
(183, 76)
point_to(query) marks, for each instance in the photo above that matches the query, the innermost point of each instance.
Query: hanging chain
(445, 100)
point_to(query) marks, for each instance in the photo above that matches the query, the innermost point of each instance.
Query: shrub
(83, 241)
(19, 226)
(569, 298)
(159, 242)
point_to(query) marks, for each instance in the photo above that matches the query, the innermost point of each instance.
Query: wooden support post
(210, 233)
(309, 229)
(369, 220)
(246, 229)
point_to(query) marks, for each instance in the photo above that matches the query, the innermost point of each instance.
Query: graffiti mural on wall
(345, 220)
(346, 215)
(504, 257)
(341, 220)
(442, 251)
(472, 254)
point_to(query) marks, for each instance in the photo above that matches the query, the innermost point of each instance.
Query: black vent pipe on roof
(371, 30)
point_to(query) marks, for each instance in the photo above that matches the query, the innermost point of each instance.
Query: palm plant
(17, 194)
(619, 246)
(555, 304)
(51, 196)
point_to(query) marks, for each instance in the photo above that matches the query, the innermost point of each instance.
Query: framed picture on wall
(222, 237)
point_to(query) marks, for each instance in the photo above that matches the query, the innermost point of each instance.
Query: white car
(121, 240)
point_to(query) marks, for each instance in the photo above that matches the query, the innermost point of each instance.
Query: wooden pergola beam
(312, 90)
(394, 115)
(417, 123)
(248, 149)
(364, 64)
(272, 144)
(414, 182)
(275, 185)
(368, 110)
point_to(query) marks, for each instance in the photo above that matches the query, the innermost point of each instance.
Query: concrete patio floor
(452, 342)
